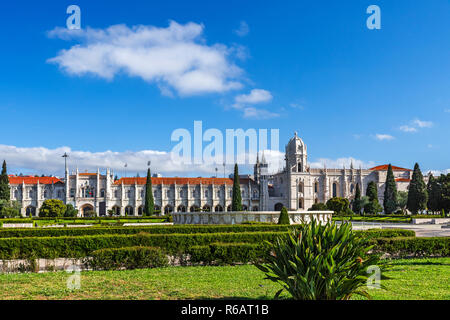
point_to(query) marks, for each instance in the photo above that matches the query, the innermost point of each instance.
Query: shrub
(284, 217)
(227, 253)
(82, 246)
(411, 246)
(99, 230)
(90, 213)
(320, 262)
(52, 208)
(318, 207)
(70, 211)
(127, 258)
(339, 205)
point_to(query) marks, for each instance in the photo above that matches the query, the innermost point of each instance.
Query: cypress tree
(356, 205)
(5, 192)
(434, 194)
(390, 192)
(417, 194)
(373, 206)
(236, 204)
(149, 206)
(284, 217)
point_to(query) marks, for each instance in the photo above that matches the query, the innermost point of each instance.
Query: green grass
(374, 219)
(409, 279)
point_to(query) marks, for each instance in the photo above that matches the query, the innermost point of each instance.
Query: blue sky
(377, 96)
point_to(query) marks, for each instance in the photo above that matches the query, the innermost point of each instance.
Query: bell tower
(296, 155)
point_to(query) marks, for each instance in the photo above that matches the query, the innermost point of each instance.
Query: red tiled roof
(173, 180)
(403, 180)
(384, 167)
(33, 180)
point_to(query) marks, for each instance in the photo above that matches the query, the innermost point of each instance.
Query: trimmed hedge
(83, 246)
(57, 232)
(386, 233)
(411, 246)
(127, 258)
(227, 253)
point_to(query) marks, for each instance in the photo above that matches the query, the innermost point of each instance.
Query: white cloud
(41, 160)
(254, 97)
(382, 137)
(437, 173)
(416, 125)
(175, 58)
(408, 129)
(247, 102)
(423, 124)
(254, 113)
(341, 162)
(243, 29)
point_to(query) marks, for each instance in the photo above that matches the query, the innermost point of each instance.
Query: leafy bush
(411, 246)
(320, 262)
(98, 230)
(90, 213)
(318, 207)
(284, 217)
(52, 208)
(82, 246)
(127, 258)
(339, 205)
(9, 209)
(70, 211)
(227, 253)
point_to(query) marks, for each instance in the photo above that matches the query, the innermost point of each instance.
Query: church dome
(296, 145)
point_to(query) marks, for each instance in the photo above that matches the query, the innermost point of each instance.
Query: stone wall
(296, 217)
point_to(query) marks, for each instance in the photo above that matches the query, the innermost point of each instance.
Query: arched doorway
(87, 210)
(218, 208)
(30, 210)
(181, 208)
(278, 207)
(206, 208)
(168, 209)
(116, 210)
(140, 210)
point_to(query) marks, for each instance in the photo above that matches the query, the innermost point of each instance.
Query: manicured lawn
(409, 279)
(374, 219)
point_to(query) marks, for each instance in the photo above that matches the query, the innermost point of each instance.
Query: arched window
(168, 209)
(116, 194)
(16, 194)
(206, 193)
(244, 208)
(300, 203)
(102, 193)
(352, 188)
(129, 211)
(218, 193)
(72, 193)
(181, 208)
(193, 209)
(334, 189)
(129, 193)
(255, 208)
(60, 194)
(218, 208)
(116, 210)
(206, 208)
(299, 167)
(316, 187)
(300, 187)
(30, 211)
(229, 208)
(30, 194)
(140, 210)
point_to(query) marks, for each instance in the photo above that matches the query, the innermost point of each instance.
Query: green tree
(318, 207)
(417, 193)
(444, 185)
(339, 205)
(373, 206)
(9, 209)
(434, 190)
(52, 208)
(402, 200)
(70, 211)
(236, 204)
(356, 203)
(149, 206)
(5, 192)
(284, 216)
(390, 192)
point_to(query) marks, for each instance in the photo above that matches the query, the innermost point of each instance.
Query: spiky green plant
(320, 262)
